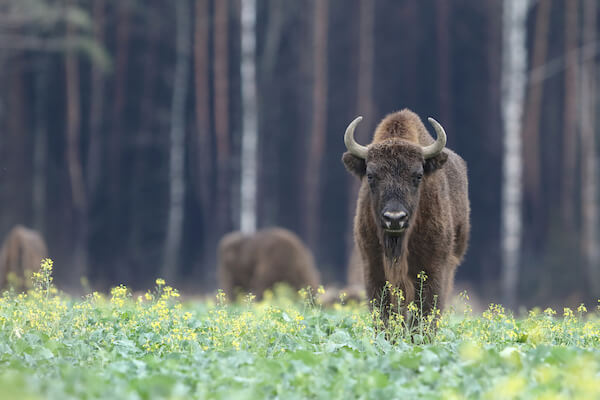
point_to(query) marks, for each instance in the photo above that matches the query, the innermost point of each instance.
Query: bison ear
(434, 163)
(355, 165)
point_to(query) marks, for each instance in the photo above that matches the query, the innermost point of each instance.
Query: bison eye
(417, 179)
(370, 177)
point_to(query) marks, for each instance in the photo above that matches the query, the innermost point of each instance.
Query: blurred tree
(221, 114)
(514, 61)
(443, 62)
(250, 117)
(74, 161)
(570, 116)
(95, 142)
(535, 91)
(319, 122)
(177, 140)
(364, 102)
(203, 168)
(589, 168)
(40, 146)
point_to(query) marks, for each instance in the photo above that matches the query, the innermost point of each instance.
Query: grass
(154, 346)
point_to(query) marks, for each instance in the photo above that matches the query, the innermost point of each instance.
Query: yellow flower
(160, 282)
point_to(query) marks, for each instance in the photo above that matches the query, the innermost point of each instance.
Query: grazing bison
(255, 262)
(413, 208)
(21, 253)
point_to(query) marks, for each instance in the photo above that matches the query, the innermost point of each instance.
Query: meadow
(286, 346)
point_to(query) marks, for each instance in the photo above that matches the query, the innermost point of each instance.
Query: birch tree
(177, 140)
(514, 56)
(249, 117)
(589, 168)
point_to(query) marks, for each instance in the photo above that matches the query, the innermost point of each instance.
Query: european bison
(21, 254)
(413, 208)
(255, 262)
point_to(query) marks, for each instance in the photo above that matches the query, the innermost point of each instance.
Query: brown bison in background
(255, 262)
(413, 208)
(21, 253)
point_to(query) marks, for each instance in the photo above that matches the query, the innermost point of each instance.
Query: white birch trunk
(514, 64)
(177, 138)
(589, 167)
(249, 118)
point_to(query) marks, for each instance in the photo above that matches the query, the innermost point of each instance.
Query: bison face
(394, 170)
(394, 173)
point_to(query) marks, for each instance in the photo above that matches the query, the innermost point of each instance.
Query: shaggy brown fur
(254, 263)
(434, 194)
(21, 253)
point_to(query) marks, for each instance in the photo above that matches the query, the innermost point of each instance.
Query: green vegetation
(154, 346)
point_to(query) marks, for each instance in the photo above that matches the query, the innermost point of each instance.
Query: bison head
(395, 170)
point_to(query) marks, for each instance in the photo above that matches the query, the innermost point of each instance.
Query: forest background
(134, 134)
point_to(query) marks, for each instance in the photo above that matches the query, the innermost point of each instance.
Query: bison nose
(395, 219)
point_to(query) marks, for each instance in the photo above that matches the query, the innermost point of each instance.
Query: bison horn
(434, 149)
(353, 147)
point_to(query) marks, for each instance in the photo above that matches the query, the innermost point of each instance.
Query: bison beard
(410, 183)
(393, 246)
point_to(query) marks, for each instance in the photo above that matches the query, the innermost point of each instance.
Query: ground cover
(120, 346)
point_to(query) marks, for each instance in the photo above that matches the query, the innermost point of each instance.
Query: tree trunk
(177, 135)
(202, 97)
(114, 150)
(493, 135)
(319, 122)
(279, 18)
(570, 116)
(410, 64)
(144, 140)
(364, 101)
(514, 54)
(78, 190)
(203, 171)
(250, 118)
(443, 62)
(589, 168)
(122, 59)
(40, 147)
(95, 143)
(221, 110)
(531, 143)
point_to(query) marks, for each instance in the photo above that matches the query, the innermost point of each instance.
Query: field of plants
(286, 346)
